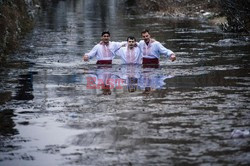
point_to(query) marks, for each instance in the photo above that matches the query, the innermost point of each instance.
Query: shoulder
(97, 45)
(156, 42)
(123, 48)
(141, 42)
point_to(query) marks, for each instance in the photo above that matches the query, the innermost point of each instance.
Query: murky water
(54, 109)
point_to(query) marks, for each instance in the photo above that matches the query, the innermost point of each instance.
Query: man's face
(106, 38)
(131, 43)
(146, 37)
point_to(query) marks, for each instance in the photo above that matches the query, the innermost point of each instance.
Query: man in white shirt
(131, 54)
(103, 51)
(152, 50)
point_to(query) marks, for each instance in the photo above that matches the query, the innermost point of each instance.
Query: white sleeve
(163, 50)
(118, 52)
(118, 45)
(93, 52)
(140, 56)
(140, 44)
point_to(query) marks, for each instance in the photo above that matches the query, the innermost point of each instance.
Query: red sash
(104, 62)
(154, 61)
(150, 63)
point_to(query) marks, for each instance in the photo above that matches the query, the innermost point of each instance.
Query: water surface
(181, 113)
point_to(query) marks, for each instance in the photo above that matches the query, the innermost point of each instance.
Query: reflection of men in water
(131, 54)
(152, 50)
(152, 79)
(104, 80)
(103, 51)
(132, 84)
(100, 80)
(130, 73)
(26, 87)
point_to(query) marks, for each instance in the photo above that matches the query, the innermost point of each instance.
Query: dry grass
(181, 7)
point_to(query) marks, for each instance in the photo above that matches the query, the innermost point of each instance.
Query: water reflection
(194, 105)
(7, 132)
(7, 125)
(25, 87)
(128, 78)
(103, 79)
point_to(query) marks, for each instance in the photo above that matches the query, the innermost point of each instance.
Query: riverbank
(16, 19)
(229, 15)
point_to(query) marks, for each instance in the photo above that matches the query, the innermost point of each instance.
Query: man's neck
(105, 43)
(147, 42)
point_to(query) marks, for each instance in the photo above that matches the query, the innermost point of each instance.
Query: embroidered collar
(102, 43)
(150, 42)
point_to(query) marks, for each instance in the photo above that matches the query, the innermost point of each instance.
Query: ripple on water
(182, 113)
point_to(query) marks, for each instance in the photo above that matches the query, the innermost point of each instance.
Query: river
(181, 113)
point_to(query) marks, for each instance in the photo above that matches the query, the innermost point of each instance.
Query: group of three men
(146, 52)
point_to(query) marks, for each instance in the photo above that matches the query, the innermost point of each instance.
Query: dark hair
(105, 32)
(145, 31)
(131, 37)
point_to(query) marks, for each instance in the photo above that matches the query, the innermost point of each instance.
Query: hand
(85, 57)
(172, 57)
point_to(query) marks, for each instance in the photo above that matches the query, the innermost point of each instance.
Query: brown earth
(15, 21)
(185, 8)
(230, 15)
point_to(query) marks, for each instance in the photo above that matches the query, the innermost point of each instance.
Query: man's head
(131, 41)
(145, 35)
(105, 37)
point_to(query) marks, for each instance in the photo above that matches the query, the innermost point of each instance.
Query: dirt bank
(230, 15)
(16, 19)
(184, 8)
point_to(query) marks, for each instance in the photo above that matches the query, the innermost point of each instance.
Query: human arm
(91, 54)
(168, 53)
(118, 45)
